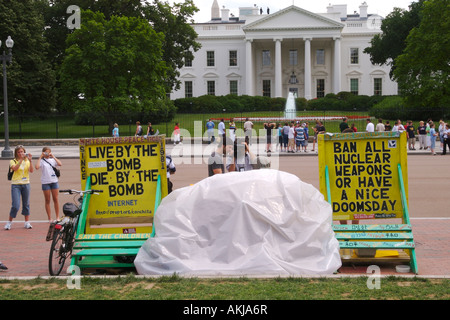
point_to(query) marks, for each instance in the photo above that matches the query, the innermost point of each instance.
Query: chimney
(225, 14)
(363, 10)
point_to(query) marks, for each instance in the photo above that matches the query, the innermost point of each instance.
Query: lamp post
(6, 152)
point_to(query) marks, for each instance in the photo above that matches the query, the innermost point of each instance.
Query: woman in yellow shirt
(20, 185)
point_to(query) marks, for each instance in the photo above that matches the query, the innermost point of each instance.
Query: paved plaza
(25, 252)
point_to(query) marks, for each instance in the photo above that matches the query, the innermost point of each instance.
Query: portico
(293, 35)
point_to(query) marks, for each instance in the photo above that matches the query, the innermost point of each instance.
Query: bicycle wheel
(57, 256)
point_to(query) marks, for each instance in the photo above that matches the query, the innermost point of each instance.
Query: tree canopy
(423, 70)
(31, 79)
(112, 66)
(387, 46)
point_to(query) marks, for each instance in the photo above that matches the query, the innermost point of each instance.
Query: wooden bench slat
(376, 244)
(107, 252)
(374, 235)
(371, 227)
(109, 244)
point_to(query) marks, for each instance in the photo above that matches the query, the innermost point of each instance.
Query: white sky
(380, 7)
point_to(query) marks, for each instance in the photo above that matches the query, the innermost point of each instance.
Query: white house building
(292, 50)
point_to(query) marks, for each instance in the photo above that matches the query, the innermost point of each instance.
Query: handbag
(56, 170)
(11, 172)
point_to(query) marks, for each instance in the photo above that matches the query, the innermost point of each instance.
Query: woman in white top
(49, 180)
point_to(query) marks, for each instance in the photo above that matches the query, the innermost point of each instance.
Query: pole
(6, 152)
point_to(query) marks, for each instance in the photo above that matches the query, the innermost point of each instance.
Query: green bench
(107, 250)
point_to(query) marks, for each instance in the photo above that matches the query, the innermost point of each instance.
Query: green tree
(387, 46)
(423, 70)
(180, 41)
(113, 66)
(173, 21)
(31, 79)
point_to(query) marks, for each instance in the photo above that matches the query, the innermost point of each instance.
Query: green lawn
(177, 288)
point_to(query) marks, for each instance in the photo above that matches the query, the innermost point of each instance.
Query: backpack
(11, 172)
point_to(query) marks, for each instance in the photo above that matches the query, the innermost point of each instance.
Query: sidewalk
(25, 252)
(69, 148)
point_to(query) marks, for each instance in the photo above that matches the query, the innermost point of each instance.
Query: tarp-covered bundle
(259, 222)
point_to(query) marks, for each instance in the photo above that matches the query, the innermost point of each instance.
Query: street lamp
(7, 152)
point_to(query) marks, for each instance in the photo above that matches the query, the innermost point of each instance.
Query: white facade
(257, 53)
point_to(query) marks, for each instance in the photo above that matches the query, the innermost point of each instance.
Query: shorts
(300, 143)
(291, 143)
(50, 186)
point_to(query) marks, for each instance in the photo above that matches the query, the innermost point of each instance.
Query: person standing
(50, 187)
(380, 126)
(139, 130)
(344, 124)
(387, 126)
(441, 132)
(171, 169)
(370, 127)
(176, 134)
(446, 139)
(210, 130)
(20, 185)
(268, 127)
(115, 131)
(150, 131)
(422, 132)
(411, 136)
(222, 134)
(316, 132)
(291, 138)
(299, 137)
(232, 130)
(433, 135)
(285, 132)
(215, 160)
(248, 127)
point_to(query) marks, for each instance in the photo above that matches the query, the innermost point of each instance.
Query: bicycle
(63, 232)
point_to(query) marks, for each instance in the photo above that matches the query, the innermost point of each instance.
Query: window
(293, 57)
(320, 91)
(233, 58)
(354, 86)
(210, 59)
(234, 87)
(266, 88)
(354, 56)
(187, 61)
(320, 56)
(211, 88)
(377, 87)
(266, 58)
(188, 89)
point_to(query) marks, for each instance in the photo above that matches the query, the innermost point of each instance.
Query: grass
(130, 287)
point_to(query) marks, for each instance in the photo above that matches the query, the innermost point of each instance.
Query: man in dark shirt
(343, 125)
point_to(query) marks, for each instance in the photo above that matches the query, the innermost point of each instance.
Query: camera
(46, 154)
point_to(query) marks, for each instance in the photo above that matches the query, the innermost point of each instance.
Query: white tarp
(259, 222)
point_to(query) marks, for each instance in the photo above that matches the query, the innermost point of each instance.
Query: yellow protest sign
(126, 169)
(363, 174)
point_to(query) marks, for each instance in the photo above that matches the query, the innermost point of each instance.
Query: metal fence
(64, 126)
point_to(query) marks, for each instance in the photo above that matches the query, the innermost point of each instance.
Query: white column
(249, 67)
(308, 95)
(278, 81)
(337, 65)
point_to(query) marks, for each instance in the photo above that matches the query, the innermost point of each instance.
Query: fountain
(290, 110)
